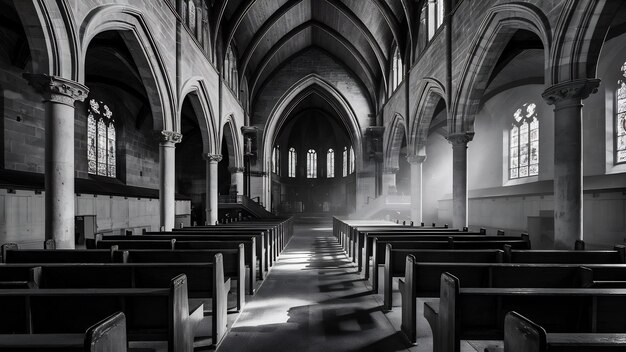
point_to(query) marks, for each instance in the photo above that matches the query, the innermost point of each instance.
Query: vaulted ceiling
(267, 33)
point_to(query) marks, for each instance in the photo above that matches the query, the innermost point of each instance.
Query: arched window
(620, 119)
(330, 163)
(101, 139)
(276, 160)
(231, 74)
(524, 142)
(191, 17)
(352, 165)
(293, 159)
(311, 164)
(435, 16)
(345, 161)
(396, 69)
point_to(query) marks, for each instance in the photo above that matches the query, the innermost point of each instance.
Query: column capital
(460, 139)
(390, 170)
(57, 89)
(574, 89)
(165, 137)
(213, 158)
(234, 170)
(415, 159)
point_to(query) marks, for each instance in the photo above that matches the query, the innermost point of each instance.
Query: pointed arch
(196, 90)
(230, 135)
(498, 26)
(394, 134)
(53, 48)
(430, 93)
(133, 27)
(581, 28)
(311, 84)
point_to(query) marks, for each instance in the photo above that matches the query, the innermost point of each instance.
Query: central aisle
(313, 300)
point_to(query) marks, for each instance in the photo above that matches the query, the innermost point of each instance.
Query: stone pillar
(236, 178)
(212, 189)
(167, 178)
(59, 97)
(567, 99)
(459, 177)
(416, 162)
(389, 180)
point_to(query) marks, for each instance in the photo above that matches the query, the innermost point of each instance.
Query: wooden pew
(364, 243)
(523, 335)
(108, 335)
(254, 250)
(137, 244)
(424, 279)
(233, 263)
(395, 263)
(616, 256)
(266, 238)
(248, 252)
(468, 313)
(57, 256)
(457, 242)
(206, 284)
(152, 314)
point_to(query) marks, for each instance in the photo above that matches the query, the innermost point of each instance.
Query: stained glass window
(524, 142)
(396, 69)
(276, 160)
(352, 165)
(101, 140)
(293, 159)
(311, 164)
(192, 15)
(330, 163)
(345, 161)
(620, 120)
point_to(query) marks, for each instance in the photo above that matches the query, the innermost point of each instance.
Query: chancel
(313, 175)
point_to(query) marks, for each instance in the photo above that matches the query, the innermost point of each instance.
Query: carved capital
(57, 89)
(169, 137)
(415, 159)
(460, 139)
(213, 158)
(576, 89)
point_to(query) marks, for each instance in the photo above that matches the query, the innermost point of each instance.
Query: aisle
(313, 300)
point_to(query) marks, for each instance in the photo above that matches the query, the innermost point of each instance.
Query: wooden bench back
(57, 256)
(615, 256)
(478, 313)
(136, 244)
(152, 314)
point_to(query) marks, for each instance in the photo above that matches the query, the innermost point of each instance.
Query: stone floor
(314, 300)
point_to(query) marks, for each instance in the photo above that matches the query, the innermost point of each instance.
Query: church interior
(313, 175)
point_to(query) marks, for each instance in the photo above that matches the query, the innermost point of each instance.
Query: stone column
(59, 97)
(389, 180)
(567, 99)
(167, 178)
(236, 178)
(416, 162)
(212, 190)
(459, 177)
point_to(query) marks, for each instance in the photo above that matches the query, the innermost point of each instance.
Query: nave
(314, 300)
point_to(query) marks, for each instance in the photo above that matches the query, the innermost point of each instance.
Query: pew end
(109, 335)
(522, 335)
(6, 247)
(407, 290)
(49, 244)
